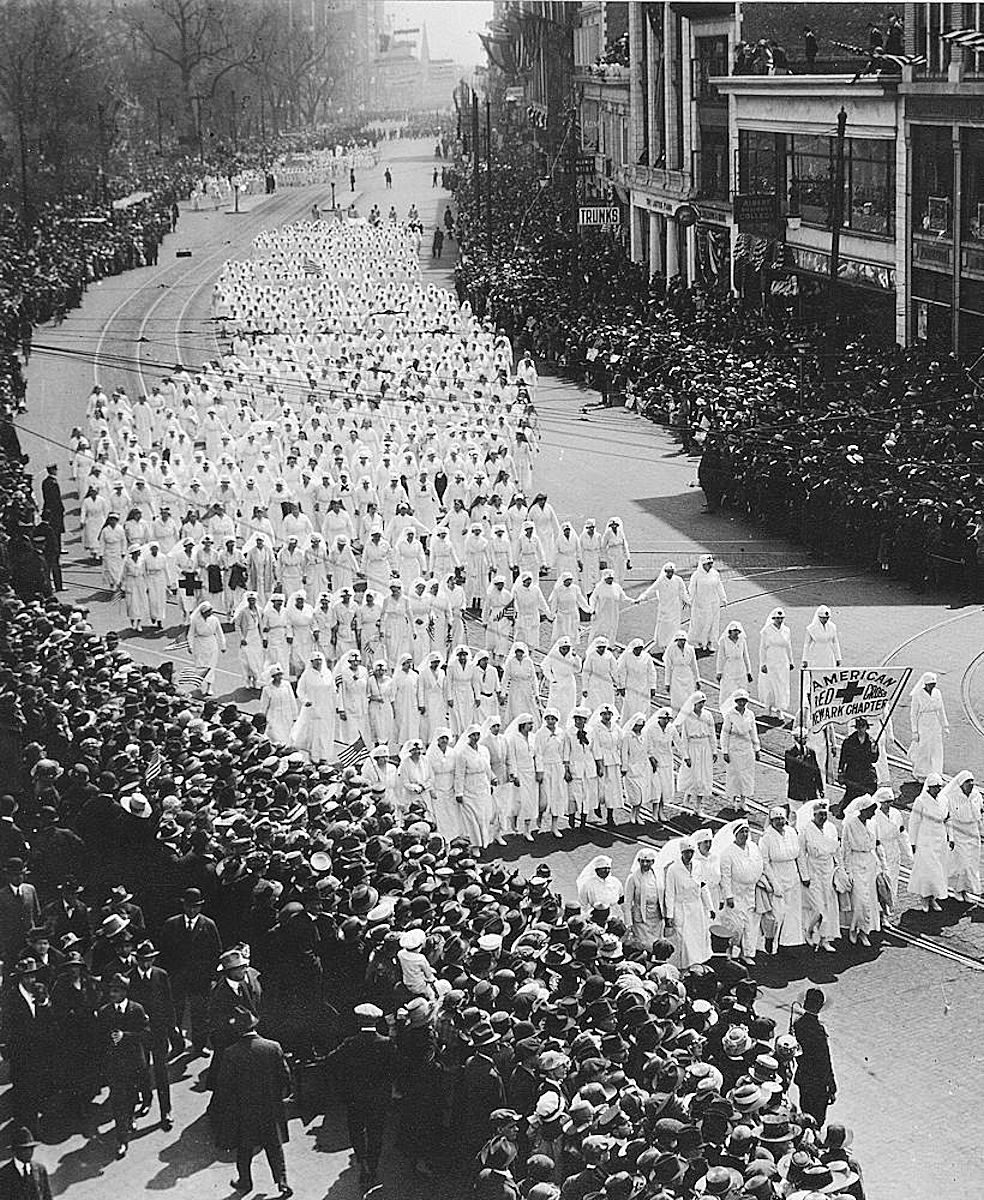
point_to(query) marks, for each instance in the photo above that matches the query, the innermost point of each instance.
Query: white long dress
(779, 854)
(927, 718)
(740, 742)
(775, 653)
(679, 673)
(707, 597)
(671, 596)
(930, 839)
(966, 823)
(315, 727)
(280, 709)
(473, 782)
(698, 742)
(687, 905)
(821, 849)
(741, 869)
(733, 665)
(862, 861)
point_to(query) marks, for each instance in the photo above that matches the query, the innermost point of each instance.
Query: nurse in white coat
(734, 666)
(686, 903)
(927, 719)
(561, 668)
(740, 747)
(680, 670)
(672, 597)
(698, 745)
(775, 662)
(781, 864)
(741, 869)
(821, 647)
(707, 598)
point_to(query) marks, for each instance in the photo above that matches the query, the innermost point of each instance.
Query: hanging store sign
(599, 217)
(756, 209)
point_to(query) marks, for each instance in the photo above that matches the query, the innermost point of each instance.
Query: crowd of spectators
(863, 452)
(524, 1039)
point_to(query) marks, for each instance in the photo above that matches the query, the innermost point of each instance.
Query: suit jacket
(124, 1062)
(13, 1186)
(13, 843)
(814, 1069)
(479, 1092)
(190, 956)
(62, 920)
(28, 1037)
(154, 997)
(18, 913)
(223, 1002)
(253, 1081)
(52, 505)
(363, 1068)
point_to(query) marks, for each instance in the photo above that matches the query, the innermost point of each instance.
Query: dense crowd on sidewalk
(865, 453)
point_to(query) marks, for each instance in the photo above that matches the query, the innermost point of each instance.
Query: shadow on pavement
(193, 1151)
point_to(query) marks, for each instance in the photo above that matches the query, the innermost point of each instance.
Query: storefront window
(972, 217)
(869, 182)
(810, 178)
(932, 180)
(870, 174)
(758, 162)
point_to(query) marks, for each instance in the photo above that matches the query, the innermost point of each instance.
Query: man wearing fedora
(190, 949)
(252, 1083)
(814, 1070)
(19, 908)
(29, 1041)
(238, 986)
(124, 1031)
(150, 987)
(364, 1068)
(479, 1092)
(22, 1178)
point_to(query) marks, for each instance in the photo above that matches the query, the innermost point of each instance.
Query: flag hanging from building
(879, 61)
(967, 39)
(837, 695)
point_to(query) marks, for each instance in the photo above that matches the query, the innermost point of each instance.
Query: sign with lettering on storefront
(598, 216)
(753, 209)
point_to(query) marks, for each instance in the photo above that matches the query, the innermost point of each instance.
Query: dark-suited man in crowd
(124, 1031)
(29, 1040)
(252, 1084)
(150, 987)
(19, 908)
(238, 986)
(190, 949)
(22, 1178)
(363, 1068)
(814, 1070)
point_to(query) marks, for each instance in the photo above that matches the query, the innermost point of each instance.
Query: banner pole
(898, 697)
(803, 671)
